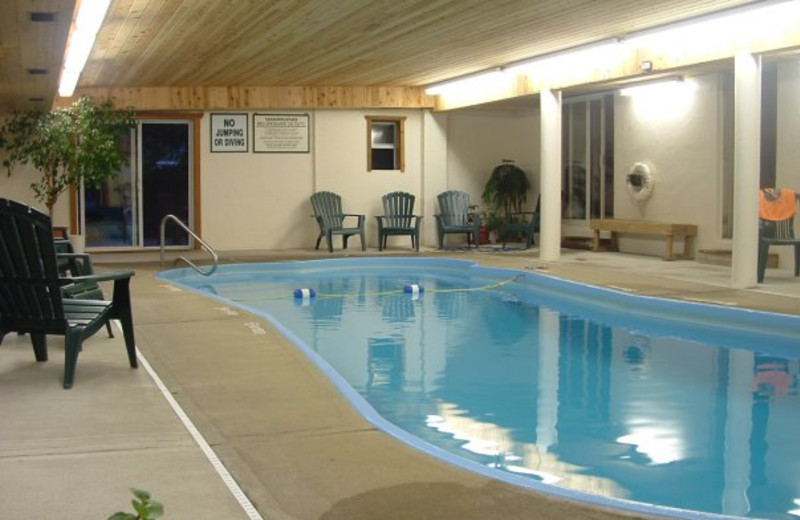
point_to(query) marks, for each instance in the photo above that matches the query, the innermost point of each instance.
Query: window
(385, 138)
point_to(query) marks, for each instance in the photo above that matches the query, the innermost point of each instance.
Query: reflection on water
(539, 389)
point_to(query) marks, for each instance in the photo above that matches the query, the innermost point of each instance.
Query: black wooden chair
(31, 297)
(456, 216)
(398, 218)
(332, 221)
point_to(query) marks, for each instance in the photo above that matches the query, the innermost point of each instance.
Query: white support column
(746, 166)
(550, 217)
(434, 170)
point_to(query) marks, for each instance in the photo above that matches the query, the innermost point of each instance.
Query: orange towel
(775, 208)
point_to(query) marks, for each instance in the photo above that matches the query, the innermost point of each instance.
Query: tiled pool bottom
(380, 356)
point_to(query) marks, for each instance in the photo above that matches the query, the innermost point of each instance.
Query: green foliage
(145, 507)
(505, 192)
(68, 146)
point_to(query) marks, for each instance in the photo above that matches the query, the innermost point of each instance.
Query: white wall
(268, 206)
(255, 200)
(788, 135)
(788, 142)
(341, 165)
(260, 201)
(17, 187)
(680, 139)
(479, 140)
(435, 168)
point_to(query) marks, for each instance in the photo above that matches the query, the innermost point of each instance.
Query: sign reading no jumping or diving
(229, 133)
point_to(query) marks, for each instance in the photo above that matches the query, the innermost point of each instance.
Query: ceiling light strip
(82, 35)
(776, 7)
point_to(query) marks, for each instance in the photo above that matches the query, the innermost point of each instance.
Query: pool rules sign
(229, 133)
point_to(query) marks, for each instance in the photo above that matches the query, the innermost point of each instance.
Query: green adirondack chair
(331, 220)
(455, 216)
(398, 219)
(777, 233)
(31, 297)
(522, 223)
(71, 264)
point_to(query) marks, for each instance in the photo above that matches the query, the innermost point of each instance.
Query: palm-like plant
(505, 192)
(68, 146)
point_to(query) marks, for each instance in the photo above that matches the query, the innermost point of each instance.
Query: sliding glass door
(588, 158)
(126, 212)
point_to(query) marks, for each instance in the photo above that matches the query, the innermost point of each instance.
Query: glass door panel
(109, 217)
(588, 158)
(575, 161)
(165, 167)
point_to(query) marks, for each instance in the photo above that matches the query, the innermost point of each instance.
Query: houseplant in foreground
(69, 146)
(146, 508)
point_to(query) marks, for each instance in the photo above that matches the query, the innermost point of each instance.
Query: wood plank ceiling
(234, 43)
(31, 50)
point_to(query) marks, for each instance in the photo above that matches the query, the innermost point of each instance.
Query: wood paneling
(183, 54)
(215, 98)
(171, 43)
(24, 45)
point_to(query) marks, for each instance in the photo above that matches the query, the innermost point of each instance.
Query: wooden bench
(644, 227)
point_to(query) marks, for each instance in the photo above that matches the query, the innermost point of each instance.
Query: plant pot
(483, 235)
(78, 243)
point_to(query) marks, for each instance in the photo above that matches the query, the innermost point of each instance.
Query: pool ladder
(176, 220)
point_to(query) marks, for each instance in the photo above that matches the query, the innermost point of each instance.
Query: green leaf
(140, 508)
(156, 509)
(121, 516)
(142, 495)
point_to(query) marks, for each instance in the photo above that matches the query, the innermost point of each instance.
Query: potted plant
(69, 146)
(483, 228)
(505, 192)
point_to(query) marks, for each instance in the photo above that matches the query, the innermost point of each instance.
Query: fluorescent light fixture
(81, 40)
(731, 26)
(728, 25)
(580, 56)
(480, 80)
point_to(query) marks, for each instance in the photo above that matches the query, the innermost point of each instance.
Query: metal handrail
(199, 240)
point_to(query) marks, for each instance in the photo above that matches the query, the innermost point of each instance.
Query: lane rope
(399, 291)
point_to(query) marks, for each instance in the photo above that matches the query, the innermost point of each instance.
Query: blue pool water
(584, 392)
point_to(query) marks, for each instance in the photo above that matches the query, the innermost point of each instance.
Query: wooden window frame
(400, 140)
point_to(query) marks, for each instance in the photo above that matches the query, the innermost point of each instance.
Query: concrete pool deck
(296, 448)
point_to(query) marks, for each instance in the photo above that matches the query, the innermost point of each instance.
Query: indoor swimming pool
(641, 403)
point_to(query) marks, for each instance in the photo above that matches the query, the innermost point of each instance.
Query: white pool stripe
(220, 468)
